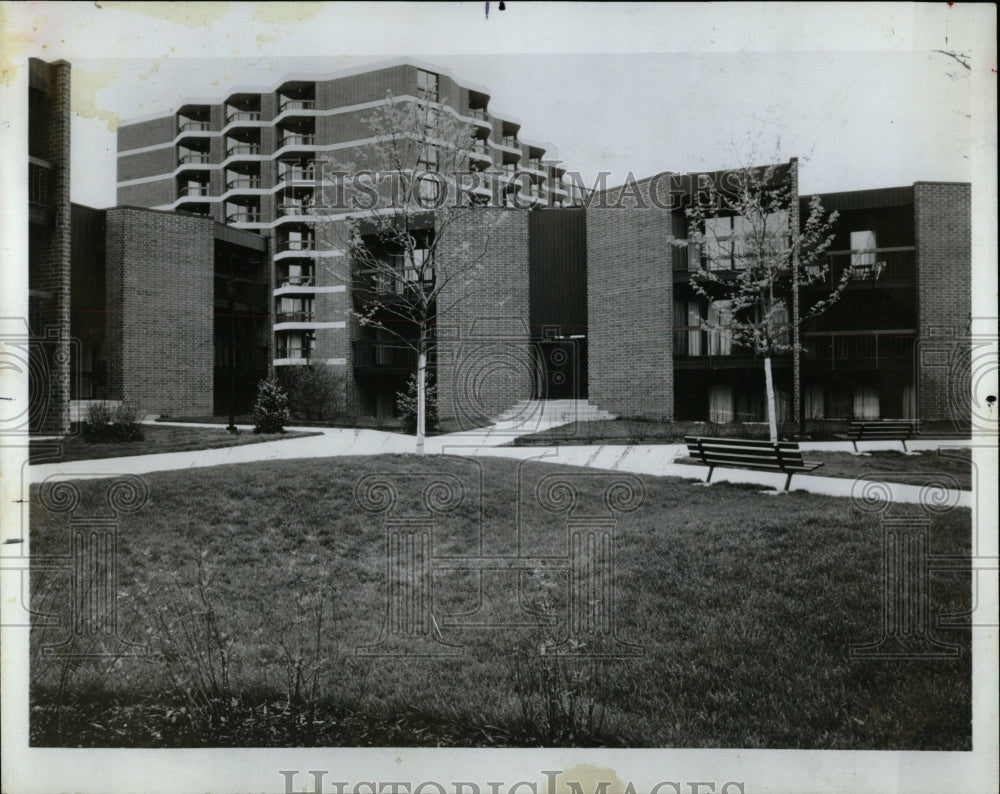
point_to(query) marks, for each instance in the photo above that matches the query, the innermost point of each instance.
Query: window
(694, 328)
(720, 403)
(427, 164)
(397, 273)
(720, 341)
(737, 242)
(863, 249)
(427, 85)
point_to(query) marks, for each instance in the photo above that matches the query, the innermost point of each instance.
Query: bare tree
(753, 262)
(396, 212)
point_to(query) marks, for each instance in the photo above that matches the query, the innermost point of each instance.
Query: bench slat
(783, 456)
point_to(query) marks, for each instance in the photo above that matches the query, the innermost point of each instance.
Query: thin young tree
(397, 213)
(753, 264)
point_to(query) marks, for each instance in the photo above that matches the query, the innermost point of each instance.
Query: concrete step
(553, 411)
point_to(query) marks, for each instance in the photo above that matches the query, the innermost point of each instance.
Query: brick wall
(159, 332)
(50, 273)
(630, 311)
(153, 163)
(366, 87)
(148, 194)
(944, 293)
(485, 357)
(147, 133)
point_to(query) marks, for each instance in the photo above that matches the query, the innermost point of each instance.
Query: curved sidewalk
(656, 460)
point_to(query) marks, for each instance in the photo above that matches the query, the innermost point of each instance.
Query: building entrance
(562, 369)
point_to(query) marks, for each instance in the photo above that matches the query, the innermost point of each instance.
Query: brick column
(51, 272)
(630, 311)
(943, 232)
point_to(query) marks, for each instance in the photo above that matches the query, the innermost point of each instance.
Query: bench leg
(788, 480)
(855, 445)
(903, 440)
(708, 479)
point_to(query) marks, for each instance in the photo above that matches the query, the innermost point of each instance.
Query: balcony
(878, 266)
(297, 175)
(243, 115)
(479, 114)
(698, 348)
(193, 190)
(303, 280)
(38, 183)
(306, 244)
(480, 150)
(292, 210)
(244, 216)
(297, 140)
(242, 149)
(244, 183)
(294, 317)
(859, 349)
(384, 355)
(510, 141)
(193, 158)
(192, 125)
(297, 352)
(297, 104)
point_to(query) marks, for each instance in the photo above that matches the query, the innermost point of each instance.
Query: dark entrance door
(562, 369)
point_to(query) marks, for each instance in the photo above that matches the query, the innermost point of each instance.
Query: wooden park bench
(881, 430)
(783, 456)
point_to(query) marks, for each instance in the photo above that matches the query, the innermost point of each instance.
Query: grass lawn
(156, 439)
(257, 587)
(952, 469)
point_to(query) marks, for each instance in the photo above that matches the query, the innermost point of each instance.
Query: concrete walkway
(657, 460)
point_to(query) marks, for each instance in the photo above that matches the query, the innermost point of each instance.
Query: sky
(862, 99)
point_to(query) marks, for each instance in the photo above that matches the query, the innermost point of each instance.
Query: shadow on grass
(254, 594)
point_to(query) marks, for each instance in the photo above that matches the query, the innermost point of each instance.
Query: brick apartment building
(212, 270)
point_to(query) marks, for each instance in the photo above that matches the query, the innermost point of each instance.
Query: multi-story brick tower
(249, 161)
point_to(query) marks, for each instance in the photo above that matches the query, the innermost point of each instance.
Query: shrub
(270, 411)
(118, 424)
(406, 404)
(315, 392)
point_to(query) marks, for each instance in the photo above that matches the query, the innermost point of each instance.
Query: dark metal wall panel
(862, 199)
(558, 270)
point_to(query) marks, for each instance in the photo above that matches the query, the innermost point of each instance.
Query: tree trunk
(772, 419)
(421, 394)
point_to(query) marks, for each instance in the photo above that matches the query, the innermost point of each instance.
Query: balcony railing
(294, 352)
(479, 113)
(293, 317)
(244, 216)
(873, 266)
(243, 148)
(298, 175)
(245, 182)
(428, 94)
(693, 341)
(388, 355)
(296, 245)
(193, 190)
(304, 280)
(510, 140)
(297, 104)
(191, 125)
(38, 183)
(193, 157)
(243, 115)
(298, 140)
(854, 347)
(286, 210)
